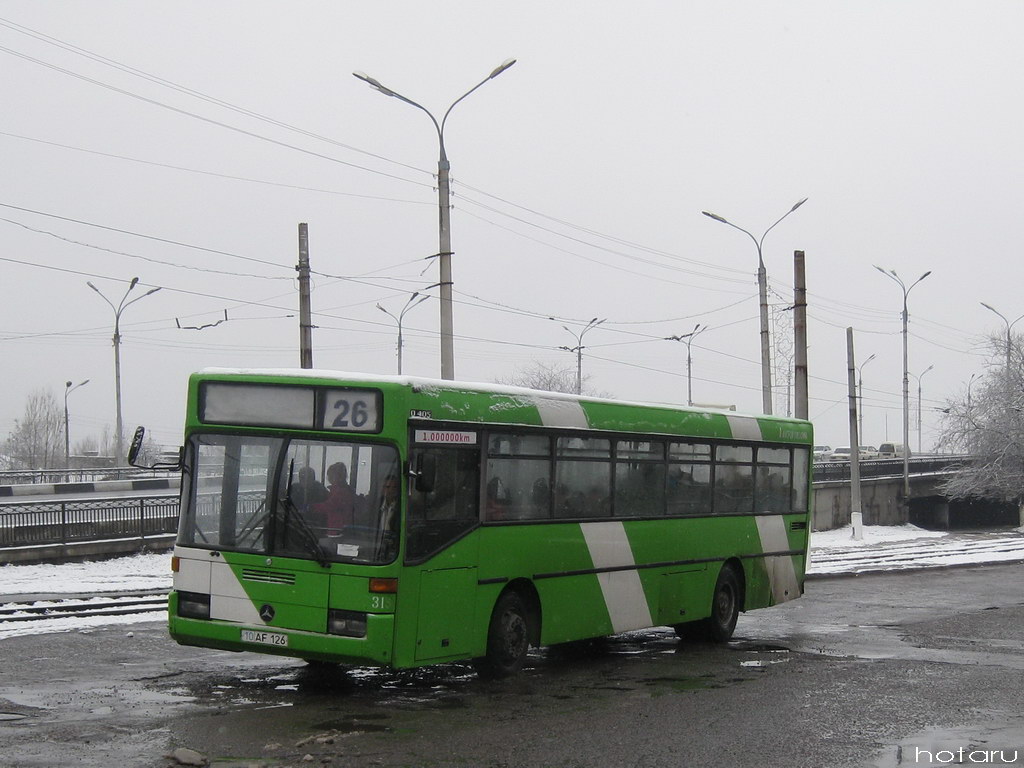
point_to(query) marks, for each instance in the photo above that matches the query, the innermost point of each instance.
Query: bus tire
(508, 638)
(725, 606)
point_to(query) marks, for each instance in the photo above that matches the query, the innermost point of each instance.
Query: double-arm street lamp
(121, 307)
(414, 300)
(860, 396)
(69, 387)
(578, 349)
(891, 274)
(444, 210)
(688, 338)
(920, 376)
(762, 291)
(1009, 328)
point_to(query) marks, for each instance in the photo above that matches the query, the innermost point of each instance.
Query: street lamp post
(891, 274)
(688, 338)
(1009, 328)
(762, 291)
(860, 396)
(68, 389)
(578, 349)
(412, 302)
(121, 307)
(444, 210)
(919, 377)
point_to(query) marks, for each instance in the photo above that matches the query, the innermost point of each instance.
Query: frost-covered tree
(37, 441)
(987, 424)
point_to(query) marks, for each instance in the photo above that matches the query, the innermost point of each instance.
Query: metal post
(762, 292)
(409, 304)
(444, 213)
(578, 349)
(123, 305)
(891, 274)
(688, 338)
(860, 393)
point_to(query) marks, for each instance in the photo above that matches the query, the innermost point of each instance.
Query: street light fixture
(121, 307)
(1009, 327)
(919, 377)
(578, 349)
(891, 274)
(762, 291)
(69, 387)
(860, 396)
(444, 210)
(412, 302)
(688, 338)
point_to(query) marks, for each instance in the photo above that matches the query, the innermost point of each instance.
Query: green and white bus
(471, 521)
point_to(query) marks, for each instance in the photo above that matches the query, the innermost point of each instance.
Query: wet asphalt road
(878, 670)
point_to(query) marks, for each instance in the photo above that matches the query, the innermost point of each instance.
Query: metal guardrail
(837, 471)
(68, 522)
(84, 475)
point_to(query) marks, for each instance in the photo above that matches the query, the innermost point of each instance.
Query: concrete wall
(879, 501)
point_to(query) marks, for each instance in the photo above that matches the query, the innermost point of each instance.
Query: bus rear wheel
(508, 638)
(725, 611)
(725, 606)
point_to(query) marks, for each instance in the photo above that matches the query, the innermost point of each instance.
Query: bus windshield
(314, 499)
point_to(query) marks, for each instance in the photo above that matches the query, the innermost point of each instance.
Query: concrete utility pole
(444, 211)
(305, 314)
(856, 518)
(762, 292)
(800, 393)
(121, 307)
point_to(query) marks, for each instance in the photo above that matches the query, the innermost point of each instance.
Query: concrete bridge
(882, 501)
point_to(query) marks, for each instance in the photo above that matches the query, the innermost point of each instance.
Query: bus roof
(751, 426)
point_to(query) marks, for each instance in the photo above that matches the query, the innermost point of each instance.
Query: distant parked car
(841, 454)
(868, 452)
(893, 451)
(821, 452)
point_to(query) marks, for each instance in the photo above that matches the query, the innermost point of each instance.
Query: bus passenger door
(443, 513)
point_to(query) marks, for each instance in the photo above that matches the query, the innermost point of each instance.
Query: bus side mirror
(136, 448)
(424, 470)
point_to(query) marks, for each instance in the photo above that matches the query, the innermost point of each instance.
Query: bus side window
(439, 516)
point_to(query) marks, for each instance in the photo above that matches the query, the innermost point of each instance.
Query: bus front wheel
(508, 638)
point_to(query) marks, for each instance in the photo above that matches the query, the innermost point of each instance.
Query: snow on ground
(149, 571)
(832, 552)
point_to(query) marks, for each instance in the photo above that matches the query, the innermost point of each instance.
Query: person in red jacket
(338, 509)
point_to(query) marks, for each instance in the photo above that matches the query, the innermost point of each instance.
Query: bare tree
(987, 425)
(37, 441)
(548, 378)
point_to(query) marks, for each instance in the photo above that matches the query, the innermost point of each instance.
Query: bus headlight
(346, 623)
(193, 605)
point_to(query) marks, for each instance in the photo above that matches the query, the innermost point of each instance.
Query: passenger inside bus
(307, 490)
(337, 510)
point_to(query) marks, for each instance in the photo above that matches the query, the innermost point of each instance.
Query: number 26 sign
(351, 410)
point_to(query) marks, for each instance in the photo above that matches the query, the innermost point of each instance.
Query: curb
(56, 489)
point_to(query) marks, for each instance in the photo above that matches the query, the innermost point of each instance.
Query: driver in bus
(338, 510)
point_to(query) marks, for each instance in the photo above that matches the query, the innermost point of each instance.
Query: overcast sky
(182, 143)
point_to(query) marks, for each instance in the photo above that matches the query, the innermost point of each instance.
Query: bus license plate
(265, 638)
